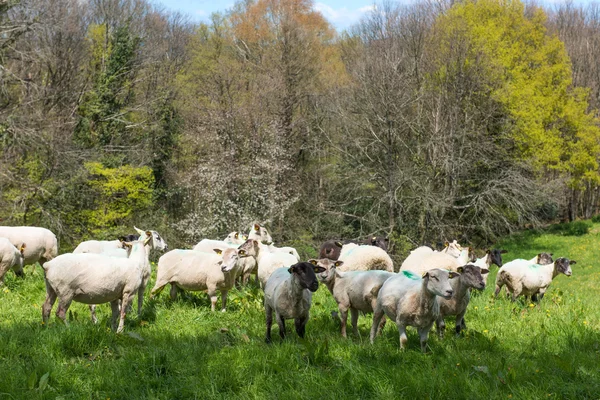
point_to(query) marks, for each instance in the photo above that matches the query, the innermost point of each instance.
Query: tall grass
(180, 350)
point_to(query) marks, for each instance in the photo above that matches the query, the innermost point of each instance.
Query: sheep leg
(377, 315)
(141, 291)
(47, 307)
(441, 326)
(3, 269)
(300, 324)
(269, 322)
(93, 313)
(343, 319)
(281, 324)
(423, 334)
(498, 288)
(460, 323)
(212, 294)
(125, 302)
(173, 292)
(63, 307)
(402, 333)
(223, 300)
(114, 307)
(354, 316)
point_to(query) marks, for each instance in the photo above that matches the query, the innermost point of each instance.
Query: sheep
(195, 270)
(233, 240)
(11, 257)
(521, 277)
(471, 276)
(42, 245)
(365, 258)
(331, 249)
(410, 300)
(354, 290)
(426, 256)
(288, 292)
(491, 257)
(114, 248)
(260, 234)
(285, 249)
(442, 260)
(94, 279)
(269, 262)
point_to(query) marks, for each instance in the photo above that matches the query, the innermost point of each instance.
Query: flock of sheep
(430, 285)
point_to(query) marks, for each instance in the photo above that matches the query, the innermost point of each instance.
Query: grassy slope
(509, 350)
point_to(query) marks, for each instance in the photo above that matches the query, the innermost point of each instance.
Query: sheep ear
(339, 244)
(318, 269)
(460, 269)
(148, 233)
(237, 235)
(244, 237)
(426, 274)
(138, 230)
(22, 249)
(485, 271)
(338, 263)
(256, 227)
(292, 269)
(503, 251)
(446, 244)
(218, 251)
(147, 240)
(488, 251)
(242, 252)
(313, 261)
(452, 275)
(571, 262)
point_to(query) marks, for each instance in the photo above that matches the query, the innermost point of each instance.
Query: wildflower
(485, 331)
(476, 308)
(531, 305)
(585, 322)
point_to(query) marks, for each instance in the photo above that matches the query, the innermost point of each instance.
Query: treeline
(424, 122)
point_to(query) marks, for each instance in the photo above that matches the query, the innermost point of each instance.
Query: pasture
(180, 350)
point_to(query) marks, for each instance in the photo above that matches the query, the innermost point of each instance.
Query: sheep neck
(460, 291)
(296, 289)
(330, 283)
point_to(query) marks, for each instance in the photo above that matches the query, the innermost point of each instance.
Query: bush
(575, 228)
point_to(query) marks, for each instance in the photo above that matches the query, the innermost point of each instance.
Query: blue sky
(341, 13)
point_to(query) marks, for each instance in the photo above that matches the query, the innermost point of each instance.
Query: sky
(341, 13)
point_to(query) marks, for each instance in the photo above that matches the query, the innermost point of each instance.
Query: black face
(563, 265)
(129, 238)
(471, 275)
(496, 256)
(379, 241)
(306, 273)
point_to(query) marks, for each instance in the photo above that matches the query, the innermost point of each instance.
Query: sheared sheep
(42, 245)
(364, 258)
(424, 258)
(410, 300)
(11, 257)
(471, 276)
(288, 292)
(354, 290)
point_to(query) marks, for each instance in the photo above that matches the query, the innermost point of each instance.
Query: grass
(180, 350)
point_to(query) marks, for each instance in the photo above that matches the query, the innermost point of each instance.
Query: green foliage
(182, 350)
(574, 228)
(117, 194)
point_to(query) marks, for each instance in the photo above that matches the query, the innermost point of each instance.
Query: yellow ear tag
(313, 262)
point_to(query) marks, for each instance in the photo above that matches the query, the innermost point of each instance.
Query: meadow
(180, 350)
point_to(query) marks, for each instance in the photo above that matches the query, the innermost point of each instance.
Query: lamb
(418, 259)
(195, 270)
(471, 276)
(354, 290)
(94, 279)
(364, 258)
(288, 292)
(410, 300)
(11, 257)
(521, 277)
(42, 245)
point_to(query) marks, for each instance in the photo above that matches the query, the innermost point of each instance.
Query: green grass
(180, 350)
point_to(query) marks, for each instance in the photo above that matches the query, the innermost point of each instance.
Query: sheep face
(157, 242)
(235, 237)
(471, 276)
(380, 241)
(453, 249)
(563, 266)
(331, 249)
(260, 234)
(544, 258)
(329, 268)
(437, 282)
(250, 248)
(306, 274)
(230, 259)
(495, 256)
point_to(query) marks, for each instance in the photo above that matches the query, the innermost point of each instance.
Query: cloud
(201, 13)
(342, 17)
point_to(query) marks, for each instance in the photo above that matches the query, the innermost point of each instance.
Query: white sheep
(471, 276)
(42, 245)
(353, 290)
(485, 262)
(94, 279)
(114, 248)
(408, 299)
(233, 240)
(419, 257)
(195, 270)
(260, 234)
(11, 257)
(364, 258)
(522, 277)
(288, 292)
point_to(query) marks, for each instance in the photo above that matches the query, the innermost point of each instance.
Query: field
(180, 350)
